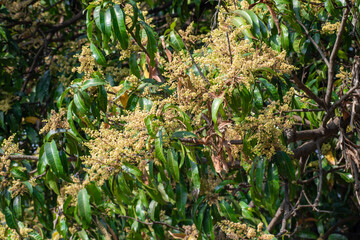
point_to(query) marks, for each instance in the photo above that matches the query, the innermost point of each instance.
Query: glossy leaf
(53, 158)
(97, 54)
(84, 207)
(118, 23)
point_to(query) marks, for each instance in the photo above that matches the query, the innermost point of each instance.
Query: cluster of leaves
(165, 133)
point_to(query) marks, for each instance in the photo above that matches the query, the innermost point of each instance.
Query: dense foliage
(179, 119)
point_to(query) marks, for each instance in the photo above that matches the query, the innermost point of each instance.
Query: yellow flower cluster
(57, 120)
(237, 231)
(5, 104)
(8, 147)
(330, 28)
(191, 232)
(110, 147)
(87, 63)
(222, 70)
(344, 75)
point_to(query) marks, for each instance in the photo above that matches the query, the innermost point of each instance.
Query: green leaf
(69, 118)
(61, 98)
(159, 147)
(36, 236)
(17, 207)
(259, 173)
(151, 46)
(173, 164)
(108, 21)
(102, 99)
(239, 22)
(131, 169)
(176, 42)
(195, 178)
(181, 198)
(271, 88)
(53, 158)
(251, 19)
(183, 134)
(284, 37)
(81, 103)
(83, 235)
(227, 211)
(18, 173)
(285, 165)
(149, 125)
(89, 30)
(92, 83)
(95, 193)
(221, 185)
(134, 65)
(330, 7)
(118, 19)
(52, 182)
(10, 219)
(200, 217)
(337, 236)
(99, 18)
(84, 207)
(214, 112)
(97, 54)
(273, 184)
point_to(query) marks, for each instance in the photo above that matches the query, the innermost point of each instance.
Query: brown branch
(331, 111)
(32, 68)
(317, 199)
(227, 36)
(31, 157)
(286, 209)
(307, 148)
(308, 92)
(21, 157)
(331, 65)
(313, 42)
(201, 142)
(145, 51)
(332, 128)
(152, 222)
(276, 219)
(68, 22)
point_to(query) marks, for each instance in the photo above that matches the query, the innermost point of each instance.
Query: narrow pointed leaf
(84, 208)
(118, 20)
(53, 158)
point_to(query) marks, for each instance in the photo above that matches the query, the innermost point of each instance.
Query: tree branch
(276, 219)
(331, 111)
(331, 65)
(152, 222)
(313, 42)
(308, 92)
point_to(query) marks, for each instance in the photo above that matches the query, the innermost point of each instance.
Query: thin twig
(286, 209)
(192, 59)
(228, 40)
(331, 65)
(313, 42)
(308, 92)
(317, 199)
(277, 217)
(152, 222)
(331, 111)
